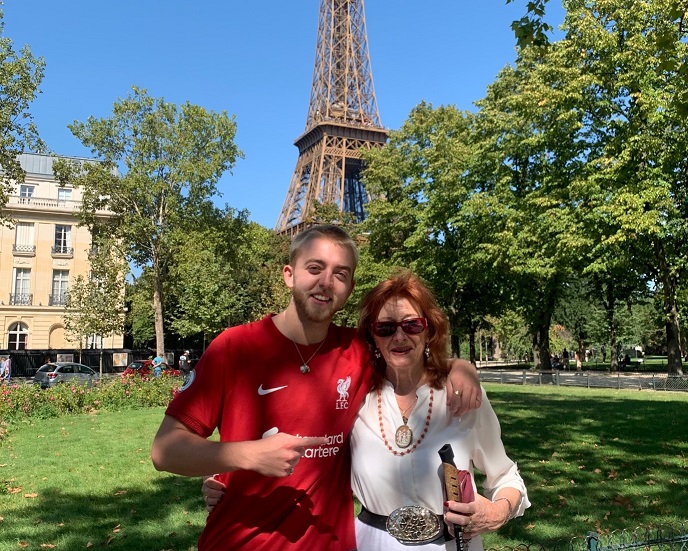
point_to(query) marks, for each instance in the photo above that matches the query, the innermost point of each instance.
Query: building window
(63, 240)
(60, 288)
(64, 194)
(23, 239)
(25, 193)
(21, 291)
(17, 335)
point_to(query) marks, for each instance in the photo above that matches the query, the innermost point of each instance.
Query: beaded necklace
(382, 428)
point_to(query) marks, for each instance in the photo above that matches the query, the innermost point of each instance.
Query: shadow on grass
(70, 519)
(603, 462)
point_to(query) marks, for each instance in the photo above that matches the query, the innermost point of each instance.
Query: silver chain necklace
(304, 363)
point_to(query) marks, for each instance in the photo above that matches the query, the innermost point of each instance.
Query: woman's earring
(427, 352)
(377, 354)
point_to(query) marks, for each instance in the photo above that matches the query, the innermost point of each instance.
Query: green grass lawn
(592, 459)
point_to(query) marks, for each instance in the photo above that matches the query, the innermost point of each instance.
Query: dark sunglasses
(413, 326)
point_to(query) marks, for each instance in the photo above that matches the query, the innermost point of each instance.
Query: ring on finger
(469, 526)
(457, 392)
(291, 471)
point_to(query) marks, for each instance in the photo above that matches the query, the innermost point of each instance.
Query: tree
(433, 213)
(20, 76)
(230, 280)
(631, 59)
(95, 304)
(160, 165)
(526, 134)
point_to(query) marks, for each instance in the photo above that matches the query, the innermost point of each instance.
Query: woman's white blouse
(384, 482)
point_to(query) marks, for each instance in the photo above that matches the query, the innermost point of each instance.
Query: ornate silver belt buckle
(412, 524)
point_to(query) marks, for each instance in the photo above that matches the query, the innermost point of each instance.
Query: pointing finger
(311, 442)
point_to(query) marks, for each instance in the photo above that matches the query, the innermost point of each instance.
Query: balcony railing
(45, 202)
(57, 300)
(21, 299)
(24, 250)
(61, 250)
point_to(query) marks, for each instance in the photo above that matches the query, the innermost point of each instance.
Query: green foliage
(230, 280)
(632, 193)
(140, 317)
(95, 304)
(19, 403)
(531, 29)
(20, 77)
(511, 331)
(434, 213)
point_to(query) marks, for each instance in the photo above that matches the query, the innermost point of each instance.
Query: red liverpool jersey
(248, 385)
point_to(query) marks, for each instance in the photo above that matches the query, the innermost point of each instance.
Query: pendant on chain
(305, 369)
(404, 435)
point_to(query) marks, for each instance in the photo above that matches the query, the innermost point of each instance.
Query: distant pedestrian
(579, 364)
(185, 363)
(565, 357)
(5, 370)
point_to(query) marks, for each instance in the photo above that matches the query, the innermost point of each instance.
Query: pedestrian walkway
(588, 379)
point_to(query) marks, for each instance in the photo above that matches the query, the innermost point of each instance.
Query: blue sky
(254, 60)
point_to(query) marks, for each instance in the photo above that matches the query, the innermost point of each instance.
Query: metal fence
(667, 538)
(588, 379)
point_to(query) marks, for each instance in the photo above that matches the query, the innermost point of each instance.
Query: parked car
(55, 373)
(144, 368)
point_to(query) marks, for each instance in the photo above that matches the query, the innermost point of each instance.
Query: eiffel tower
(342, 119)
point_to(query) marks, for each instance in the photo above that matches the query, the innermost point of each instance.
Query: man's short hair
(325, 231)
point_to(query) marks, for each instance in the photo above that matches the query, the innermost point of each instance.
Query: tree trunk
(455, 345)
(610, 311)
(673, 333)
(673, 330)
(471, 346)
(158, 312)
(614, 365)
(541, 353)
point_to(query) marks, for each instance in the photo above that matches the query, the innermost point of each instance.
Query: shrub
(26, 402)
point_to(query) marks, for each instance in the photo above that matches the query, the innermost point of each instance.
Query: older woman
(401, 427)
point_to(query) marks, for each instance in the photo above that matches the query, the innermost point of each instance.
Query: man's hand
(463, 387)
(176, 449)
(279, 454)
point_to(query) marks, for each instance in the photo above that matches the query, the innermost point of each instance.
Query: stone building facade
(40, 255)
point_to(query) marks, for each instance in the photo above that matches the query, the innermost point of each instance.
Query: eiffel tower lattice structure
(342, 120)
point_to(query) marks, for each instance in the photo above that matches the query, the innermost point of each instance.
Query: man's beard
(310, 312)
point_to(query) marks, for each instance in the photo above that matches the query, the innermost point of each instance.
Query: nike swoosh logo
(263, 391)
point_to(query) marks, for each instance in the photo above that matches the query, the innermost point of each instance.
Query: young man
(284, 392)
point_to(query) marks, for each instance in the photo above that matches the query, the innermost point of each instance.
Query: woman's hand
(213, 491)
(479, 516)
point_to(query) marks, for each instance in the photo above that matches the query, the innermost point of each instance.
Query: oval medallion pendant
(403, 437)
